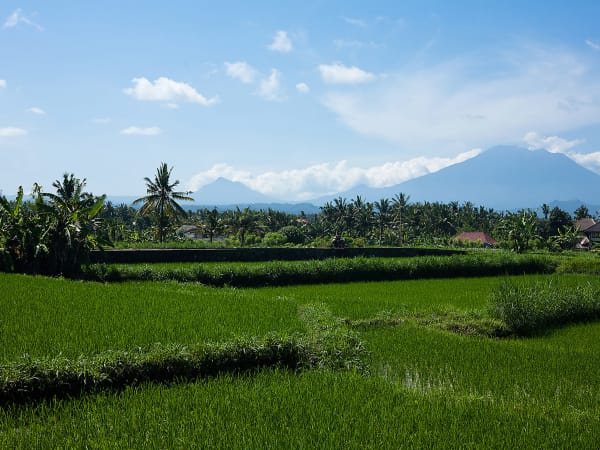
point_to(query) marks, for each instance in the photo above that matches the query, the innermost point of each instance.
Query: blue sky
(294, 99)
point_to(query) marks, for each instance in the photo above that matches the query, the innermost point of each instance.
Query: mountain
(502, 178)
(226, 192)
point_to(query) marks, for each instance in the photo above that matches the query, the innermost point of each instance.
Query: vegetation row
(54, 232)
(334, 270)
(328, 344)
(534, 307)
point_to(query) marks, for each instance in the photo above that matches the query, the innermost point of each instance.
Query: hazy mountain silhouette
(502, 178)
(227, 192)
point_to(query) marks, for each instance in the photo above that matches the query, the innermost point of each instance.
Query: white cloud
(18, 17)
(302, 88)
(270, 87)
(590, 161)
(356, 22)
(241, 71)
(327, 178)
(12, 132)
(281, 43)
(2, 84)
(557, 144)
(337, 73)
(37, 111)
(445, 107)
(166, 90)
(592, 44)
(102, 120)
(137, 131)
(553, 144)
(171, 106)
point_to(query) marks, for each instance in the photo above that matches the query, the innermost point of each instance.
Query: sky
(295, 99)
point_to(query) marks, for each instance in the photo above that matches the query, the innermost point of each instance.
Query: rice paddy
(423, 387)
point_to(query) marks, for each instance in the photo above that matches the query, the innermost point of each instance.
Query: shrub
(274, 239)
(530, 308)
(293, 235)
(333, 270)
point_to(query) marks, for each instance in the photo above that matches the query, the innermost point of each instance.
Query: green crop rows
(422, 385)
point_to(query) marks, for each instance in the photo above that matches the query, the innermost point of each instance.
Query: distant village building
(476, 237)
(590, 232)
(593, 232)
(189, 232)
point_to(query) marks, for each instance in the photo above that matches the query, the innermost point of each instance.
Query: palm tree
(384, 212)
(74, 223)
(399, 203)
(162, 199)
(243, 222)
(211, 222)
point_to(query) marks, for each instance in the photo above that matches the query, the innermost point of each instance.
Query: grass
(425, 388)
(530, 308)
(279, 410)
(334, 270)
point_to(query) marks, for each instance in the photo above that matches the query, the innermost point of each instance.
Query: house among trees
(593, 232)
(189, 232)
(590, 232)
(476, 237)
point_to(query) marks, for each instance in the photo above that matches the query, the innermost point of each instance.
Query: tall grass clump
(334, 270)
(328, 344)
(33, 379)
(529, 308)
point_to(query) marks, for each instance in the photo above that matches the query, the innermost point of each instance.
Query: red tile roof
(475, 236)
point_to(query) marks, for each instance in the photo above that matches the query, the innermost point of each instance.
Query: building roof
(593, 229)
(584, 224)
(475, 236)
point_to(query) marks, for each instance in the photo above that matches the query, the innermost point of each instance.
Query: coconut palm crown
(161, 199)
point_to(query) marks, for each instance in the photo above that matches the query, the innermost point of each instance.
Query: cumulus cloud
(557, 144)
(270, 87)
(2, 84)
(592, 44)
(12, 132)
(327, 178)
(166, 90)
(18, 17)
(553, 144)
(281, 43)
(102, 120)
(590, 161)
(302, 88)
(242, 71)
(37, 111)
(138, 131)
(447, 107)
(337, 73)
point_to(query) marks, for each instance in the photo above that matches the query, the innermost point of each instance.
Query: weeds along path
(327, 344)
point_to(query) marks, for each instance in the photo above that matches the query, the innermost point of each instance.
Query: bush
(530, 308)
(293, 235)
(333, 270)
(274, 239)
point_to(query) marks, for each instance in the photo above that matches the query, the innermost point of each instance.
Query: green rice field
(425, 387)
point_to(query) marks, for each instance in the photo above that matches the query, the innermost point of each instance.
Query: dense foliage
(533, 307)
(52, 234)
(387, 222)
(334, 270)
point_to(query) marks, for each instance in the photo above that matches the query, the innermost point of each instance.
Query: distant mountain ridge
(226, 192)
(502, 177)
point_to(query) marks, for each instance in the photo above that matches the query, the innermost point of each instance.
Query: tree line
(53, 232)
